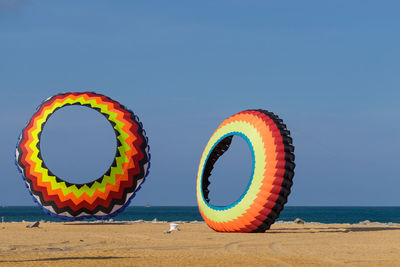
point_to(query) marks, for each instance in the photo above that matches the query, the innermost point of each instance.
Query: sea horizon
(321, 214)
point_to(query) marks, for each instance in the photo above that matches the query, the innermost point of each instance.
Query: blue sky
(329, 69)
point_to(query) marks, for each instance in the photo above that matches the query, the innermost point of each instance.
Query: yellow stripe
(255, 138)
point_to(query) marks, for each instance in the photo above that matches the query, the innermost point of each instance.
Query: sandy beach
(146, 244)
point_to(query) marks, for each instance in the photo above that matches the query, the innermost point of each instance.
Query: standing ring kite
(108, 195)
(271, 178)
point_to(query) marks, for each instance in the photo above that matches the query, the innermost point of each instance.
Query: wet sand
(146, 244)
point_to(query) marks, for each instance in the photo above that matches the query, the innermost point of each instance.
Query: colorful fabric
(271, 178)
(104, 197)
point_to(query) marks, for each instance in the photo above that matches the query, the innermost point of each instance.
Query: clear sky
(329, 69)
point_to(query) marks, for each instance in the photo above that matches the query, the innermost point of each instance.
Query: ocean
(179, 213)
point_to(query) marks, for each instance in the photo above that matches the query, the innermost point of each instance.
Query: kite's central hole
(78, 144)
(231, 173)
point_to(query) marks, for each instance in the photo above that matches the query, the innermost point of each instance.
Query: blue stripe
(251, 177)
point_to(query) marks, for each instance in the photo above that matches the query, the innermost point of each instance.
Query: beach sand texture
(145, 244)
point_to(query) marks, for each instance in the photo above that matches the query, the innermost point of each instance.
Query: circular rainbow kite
(271, 178)
(104, 197)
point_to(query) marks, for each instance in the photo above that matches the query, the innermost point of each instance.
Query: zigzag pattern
(107, 195)
(273, 171)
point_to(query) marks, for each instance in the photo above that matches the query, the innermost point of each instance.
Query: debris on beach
(172, 227)
(366, 222)
(298, 221)
(34, 224)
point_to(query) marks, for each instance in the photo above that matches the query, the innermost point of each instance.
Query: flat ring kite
(106, 196)
(271, 178)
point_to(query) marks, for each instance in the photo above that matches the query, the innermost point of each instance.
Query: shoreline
(351, 215)
(115, 222)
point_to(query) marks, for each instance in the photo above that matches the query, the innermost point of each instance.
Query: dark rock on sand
(34, 224)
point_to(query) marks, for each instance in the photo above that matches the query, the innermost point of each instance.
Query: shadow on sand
(67, 258)
(96, 223)
(312, 230)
